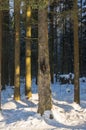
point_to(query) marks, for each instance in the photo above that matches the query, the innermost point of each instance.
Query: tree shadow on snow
(12, 116)
(21, 112)
(59, 125)
(65, 107)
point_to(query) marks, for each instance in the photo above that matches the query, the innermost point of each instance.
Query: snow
(67, 76)
(83, 14)
(22, 115)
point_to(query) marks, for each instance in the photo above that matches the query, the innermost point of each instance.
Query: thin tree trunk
(81, 45)
(5, 70)
(17, 50)
(44, 90)
(63, 49)
(0, 51)
(28, 53)
(11, 58)
(5, 42)
(11, 53)
(76, 55)
(6, 38)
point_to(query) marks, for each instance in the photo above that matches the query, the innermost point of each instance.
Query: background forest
(45, 40)
(42, 64)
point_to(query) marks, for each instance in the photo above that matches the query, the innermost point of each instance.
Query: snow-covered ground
(22, 115)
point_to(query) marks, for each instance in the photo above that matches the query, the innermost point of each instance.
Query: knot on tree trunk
(43, 66)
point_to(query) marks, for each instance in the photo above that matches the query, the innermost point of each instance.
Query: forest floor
(22, 115)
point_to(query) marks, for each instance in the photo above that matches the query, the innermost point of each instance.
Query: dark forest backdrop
(38, 38)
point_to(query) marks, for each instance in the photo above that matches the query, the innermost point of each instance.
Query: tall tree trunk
(63, 49)
(71, 50)
(81, 45)
(11, 56)
(76, 55)
(11, 48)
(56, 47)
(5, 58)
(6, 40)
(0, 51)
(44, 90)
(17, 49)
(28, 53)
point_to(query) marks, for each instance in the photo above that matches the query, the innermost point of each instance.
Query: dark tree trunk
(0, 51)
(5, 49)
(76, 55)
(17, 50)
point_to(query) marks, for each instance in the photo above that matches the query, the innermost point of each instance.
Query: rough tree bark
(44, 90)
(28, 53)
(76, 54)
(17, 49)
(0, 51)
